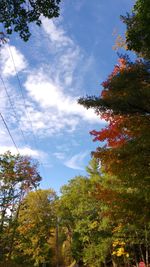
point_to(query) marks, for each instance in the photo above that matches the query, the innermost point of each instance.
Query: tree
(36, 227)
(18, 175)
(17, 15)
(80, 213)
(124, 104)
(138, 30)
(125, 92)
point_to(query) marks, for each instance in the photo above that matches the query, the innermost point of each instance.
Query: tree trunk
(146, 246)
(114, 263)
(57, 244)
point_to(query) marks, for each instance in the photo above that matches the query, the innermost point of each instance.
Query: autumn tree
(36, 228)
(17, 15)
(88, 235)
(18, 175)
(138, 30)
(124, 103)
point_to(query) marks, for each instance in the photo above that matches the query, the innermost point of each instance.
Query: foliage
(124, 104)
(36, 224)
(125, 92)
(17, 15)
(80, 213)
(3, 39)
(18, 175)
(138, 30)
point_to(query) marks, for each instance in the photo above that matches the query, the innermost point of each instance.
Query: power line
(22, 94)
(24, 101)
(23, 97)
(25, 106)
(19, 82)
(12, 106)
(9, 132)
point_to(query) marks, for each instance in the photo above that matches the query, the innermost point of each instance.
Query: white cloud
(66, 52)
(23, 151)
(59, 155)
(49, 94)
(10, 55)
(57, 110)
(51, 103)
(77, 161)
(56, 33)
(6, 144)
(50, 90)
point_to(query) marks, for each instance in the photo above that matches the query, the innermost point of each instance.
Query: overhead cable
(9, 132)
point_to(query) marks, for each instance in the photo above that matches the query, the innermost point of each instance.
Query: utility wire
(25, 106)
(24, 101)
(12, 106)
(23, 96)
(19, 82)
(9, 132)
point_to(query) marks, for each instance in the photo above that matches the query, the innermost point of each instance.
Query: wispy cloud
(23, 151)
(51, 92)
(7, 62)
(60, 155)
(49, 95)
(6, 144)
(77, 161)
(56, 33)
(50, 101)
(67, 54)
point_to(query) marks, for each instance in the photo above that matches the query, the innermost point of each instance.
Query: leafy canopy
(17, 15)
(124, 103)
(138, 30)
(35, 226)
(18, 175)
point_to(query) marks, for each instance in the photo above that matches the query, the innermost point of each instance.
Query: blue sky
(64, 59)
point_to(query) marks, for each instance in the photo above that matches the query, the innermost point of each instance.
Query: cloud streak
(51, 92)
(77, 161)
(23, 151)
(9, 55)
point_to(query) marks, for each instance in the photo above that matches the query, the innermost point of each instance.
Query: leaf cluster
(17, 15)
(138, 30)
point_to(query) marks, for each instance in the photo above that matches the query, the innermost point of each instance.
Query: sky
(42, 79)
